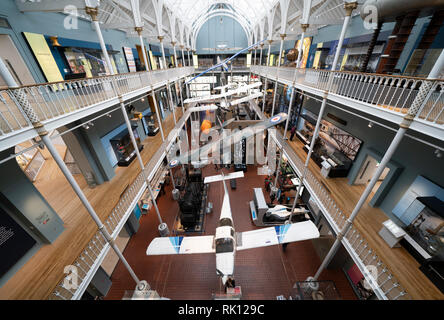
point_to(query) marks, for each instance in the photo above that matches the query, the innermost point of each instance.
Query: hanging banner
(129, 57)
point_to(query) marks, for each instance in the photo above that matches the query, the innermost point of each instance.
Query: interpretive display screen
(14, 242)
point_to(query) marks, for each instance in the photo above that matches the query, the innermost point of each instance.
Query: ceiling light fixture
(438, 153)
(370, 124)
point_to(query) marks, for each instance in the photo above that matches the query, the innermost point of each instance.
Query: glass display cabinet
(123, 147)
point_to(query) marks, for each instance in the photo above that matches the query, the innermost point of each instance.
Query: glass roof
(190, 10)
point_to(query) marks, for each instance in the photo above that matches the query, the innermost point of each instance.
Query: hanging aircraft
(227, 241)
(226, 140)
(242, 88)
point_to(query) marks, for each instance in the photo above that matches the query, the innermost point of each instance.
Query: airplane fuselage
(225, 246)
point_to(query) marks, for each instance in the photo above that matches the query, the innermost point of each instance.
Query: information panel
(14, 242)
(44, 57)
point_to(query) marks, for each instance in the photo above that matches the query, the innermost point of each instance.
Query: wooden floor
(262, 273)
(368, 222)
(40, 275)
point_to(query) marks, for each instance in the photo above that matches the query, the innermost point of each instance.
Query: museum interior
(222, 150)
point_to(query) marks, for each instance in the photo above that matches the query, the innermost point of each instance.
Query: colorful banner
(129, 59)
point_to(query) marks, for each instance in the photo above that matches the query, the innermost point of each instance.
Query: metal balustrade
(394, 93)
(95, 251)
(52, 100)
(384, 284)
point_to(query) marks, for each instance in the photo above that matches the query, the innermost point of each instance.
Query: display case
(334, 146)
(123, 147)
(149, 125)
(427, 229)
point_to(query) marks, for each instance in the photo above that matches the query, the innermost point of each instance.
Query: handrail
(55, 99)
(391, 93)
(352, 72)
(92, 78)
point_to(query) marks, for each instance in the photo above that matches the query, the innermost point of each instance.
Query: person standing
(267, 183)
(292, 132)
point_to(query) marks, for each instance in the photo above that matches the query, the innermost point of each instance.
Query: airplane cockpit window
(224, 245)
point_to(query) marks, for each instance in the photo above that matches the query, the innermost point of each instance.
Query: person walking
(162, 188)
(292, 132)
(267, 183)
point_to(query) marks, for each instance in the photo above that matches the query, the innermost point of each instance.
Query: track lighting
(438, 153)
(108, 115)
(370, 124)
(85, 126)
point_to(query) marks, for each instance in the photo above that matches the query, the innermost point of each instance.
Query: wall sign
(14, 242)
(43, 55)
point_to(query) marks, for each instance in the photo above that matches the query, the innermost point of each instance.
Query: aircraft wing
(232, 175)
(241, 100)
(181, 245)
(279, 234)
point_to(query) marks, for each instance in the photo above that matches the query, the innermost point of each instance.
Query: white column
(163, 51)
(175, 54)
(266, 82)
(277, 73)
(93, 12)
(183, 56)
(142, 47)
(260, 54)
(301, 45)
(269, 52)
(188, 53)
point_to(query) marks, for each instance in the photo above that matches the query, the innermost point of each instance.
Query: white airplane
(223, 64)
(228, 140)
(227, 241)
(238, 90)
(241, 100)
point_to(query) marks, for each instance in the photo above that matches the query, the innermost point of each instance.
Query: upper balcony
(60, 103)
(384, 96)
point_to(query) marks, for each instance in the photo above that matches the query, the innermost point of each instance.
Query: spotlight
(370, 124)
(143, 99)
(85, 126)
(91, 124)
(438, 153)
(108, 115)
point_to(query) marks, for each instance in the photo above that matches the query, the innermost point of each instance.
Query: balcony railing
(384, 284)
(93, 254)
(54, 100)
(394, 93)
